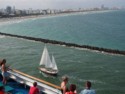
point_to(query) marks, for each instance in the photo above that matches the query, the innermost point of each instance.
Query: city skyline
(60, 4)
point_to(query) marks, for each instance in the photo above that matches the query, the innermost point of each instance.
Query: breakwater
(112, 51)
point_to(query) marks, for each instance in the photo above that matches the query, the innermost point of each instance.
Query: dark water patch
(112, 51)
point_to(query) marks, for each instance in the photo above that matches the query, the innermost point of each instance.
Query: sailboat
(47, 65)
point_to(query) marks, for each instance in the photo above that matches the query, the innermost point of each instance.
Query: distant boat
(46, 65)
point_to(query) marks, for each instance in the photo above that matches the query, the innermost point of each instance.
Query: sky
(60, 4)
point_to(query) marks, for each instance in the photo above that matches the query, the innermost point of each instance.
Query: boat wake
(47, 75)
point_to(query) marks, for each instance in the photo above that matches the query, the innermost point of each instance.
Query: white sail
(45, 59)
(54, 63)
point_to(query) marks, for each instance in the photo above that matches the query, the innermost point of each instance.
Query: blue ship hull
(14, 87)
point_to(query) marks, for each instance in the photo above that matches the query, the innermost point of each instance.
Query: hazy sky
(60, 4)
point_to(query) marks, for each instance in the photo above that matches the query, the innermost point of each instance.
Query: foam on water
(2, 36)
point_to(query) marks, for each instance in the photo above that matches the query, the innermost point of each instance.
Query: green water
(105, 71)
(100, 29)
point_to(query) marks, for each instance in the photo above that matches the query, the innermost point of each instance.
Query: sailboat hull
(52, 72)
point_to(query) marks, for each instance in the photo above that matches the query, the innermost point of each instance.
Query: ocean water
(101, 29)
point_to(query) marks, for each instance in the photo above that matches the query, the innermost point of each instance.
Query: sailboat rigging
(46, 65)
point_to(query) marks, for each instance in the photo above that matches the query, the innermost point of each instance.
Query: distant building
(30, 11)
(36, 11)
(13, 10)
(48, 11)
(8, 9)
(18, 12)
(44, 12)
(102, 6)
(3, 12)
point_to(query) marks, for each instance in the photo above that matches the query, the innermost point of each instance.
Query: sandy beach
(21, 18)
(35, 16)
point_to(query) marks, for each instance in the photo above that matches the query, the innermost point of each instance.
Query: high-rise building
(102, 6)
(9, 9)
(13, 10)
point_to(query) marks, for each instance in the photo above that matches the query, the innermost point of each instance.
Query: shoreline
(4, 20)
